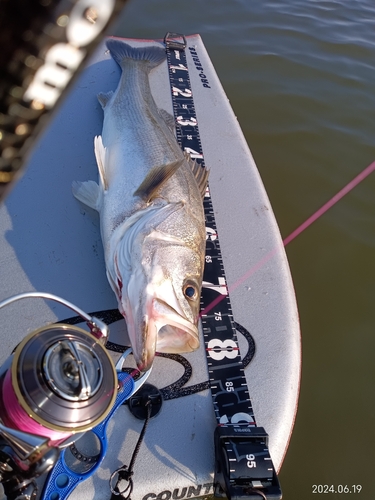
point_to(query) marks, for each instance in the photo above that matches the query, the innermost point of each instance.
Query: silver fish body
(149, 199)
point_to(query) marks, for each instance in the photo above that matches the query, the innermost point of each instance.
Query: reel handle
(62, 480)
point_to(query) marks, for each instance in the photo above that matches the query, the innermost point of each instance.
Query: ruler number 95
(251, 461)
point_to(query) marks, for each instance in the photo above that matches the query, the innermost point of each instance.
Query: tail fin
(121, 50)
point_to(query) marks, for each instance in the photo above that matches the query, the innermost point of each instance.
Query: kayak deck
(50, 242)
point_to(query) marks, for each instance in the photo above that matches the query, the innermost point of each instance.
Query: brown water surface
(300, 75)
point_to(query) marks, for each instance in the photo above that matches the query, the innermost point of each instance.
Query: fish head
(162, 302)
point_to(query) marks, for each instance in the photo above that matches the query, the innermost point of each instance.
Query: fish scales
(150, 201)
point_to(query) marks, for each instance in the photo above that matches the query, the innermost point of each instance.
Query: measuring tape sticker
(226, 374)
(227, 378)
(249, 469)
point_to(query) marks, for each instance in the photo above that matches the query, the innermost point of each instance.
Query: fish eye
(190, 291)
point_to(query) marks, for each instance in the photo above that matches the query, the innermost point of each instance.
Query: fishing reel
(59, 383)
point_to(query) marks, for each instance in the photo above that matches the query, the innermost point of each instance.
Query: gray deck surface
(50, 242)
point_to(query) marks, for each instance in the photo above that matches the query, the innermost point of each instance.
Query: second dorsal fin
(200, 173)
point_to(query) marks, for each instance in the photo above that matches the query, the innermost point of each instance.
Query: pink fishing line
(351, 185)
(345, 190)
(17, 418)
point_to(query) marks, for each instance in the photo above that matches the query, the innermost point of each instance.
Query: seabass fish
(149, 199)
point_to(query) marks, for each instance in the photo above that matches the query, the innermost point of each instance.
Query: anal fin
(87, 192)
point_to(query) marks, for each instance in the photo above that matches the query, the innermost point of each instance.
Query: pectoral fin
(156, 178)
(100, 154)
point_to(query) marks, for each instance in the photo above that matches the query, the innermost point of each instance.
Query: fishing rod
(44, 43)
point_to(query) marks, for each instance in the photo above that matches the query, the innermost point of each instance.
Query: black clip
(243, 466)
(172, 44)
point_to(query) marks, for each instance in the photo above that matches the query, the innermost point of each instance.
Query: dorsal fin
(156, 178)
(200, 173)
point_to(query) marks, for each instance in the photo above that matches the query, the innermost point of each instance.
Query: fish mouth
(167, 331)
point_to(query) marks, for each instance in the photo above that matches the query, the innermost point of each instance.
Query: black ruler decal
(243, 466)
(228, 382)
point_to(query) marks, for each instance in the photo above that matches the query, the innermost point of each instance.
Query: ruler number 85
(229, 386)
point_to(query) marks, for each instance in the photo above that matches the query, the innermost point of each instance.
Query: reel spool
(61, 381)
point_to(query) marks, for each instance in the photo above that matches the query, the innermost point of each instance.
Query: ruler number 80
(218, 349)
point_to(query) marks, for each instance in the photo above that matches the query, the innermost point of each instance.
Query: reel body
(63, 380)
(59, 383)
